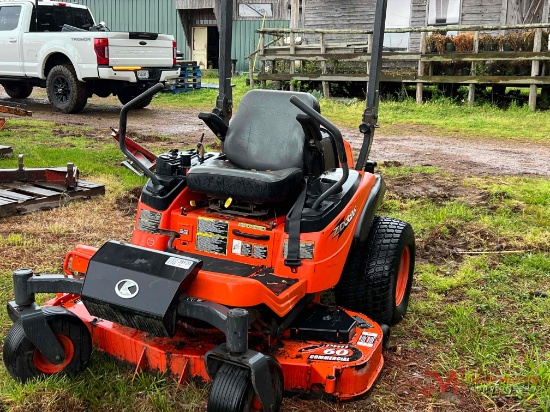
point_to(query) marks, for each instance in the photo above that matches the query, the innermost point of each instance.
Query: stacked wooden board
(25, 190)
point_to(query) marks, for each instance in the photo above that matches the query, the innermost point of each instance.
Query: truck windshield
(9, 17)
(53, 18)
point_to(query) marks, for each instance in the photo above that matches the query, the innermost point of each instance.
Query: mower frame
(352, 349)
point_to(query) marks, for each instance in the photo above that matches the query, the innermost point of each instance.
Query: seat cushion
(222, 179)
(264, 133)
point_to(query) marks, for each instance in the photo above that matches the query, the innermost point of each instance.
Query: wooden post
(262, 55)
(544, 66)
(535, 70)
(292, 55)
(326, 88)
(472, 86)
(294, 12)
(251, 72)
(421, 67)
(369, 51)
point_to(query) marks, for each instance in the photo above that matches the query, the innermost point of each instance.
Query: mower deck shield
(136, 286)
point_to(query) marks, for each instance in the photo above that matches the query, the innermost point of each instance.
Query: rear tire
(19, 90)
(377, 276)
(65, 92)
(24, 361)
(125, 97)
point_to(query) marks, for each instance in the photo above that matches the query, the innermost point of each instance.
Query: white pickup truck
(58, 46)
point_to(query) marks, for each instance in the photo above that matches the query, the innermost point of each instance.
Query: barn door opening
(206, 46)
(213, 47)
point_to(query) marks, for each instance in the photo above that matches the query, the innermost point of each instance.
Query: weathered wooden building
(359, 14)
(194, 22)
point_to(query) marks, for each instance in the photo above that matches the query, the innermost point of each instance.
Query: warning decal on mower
(367, 339)
(179, 263)
(260, 251)
(212, 235)
(149, 221)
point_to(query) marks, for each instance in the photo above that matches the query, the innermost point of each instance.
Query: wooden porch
(327, 50)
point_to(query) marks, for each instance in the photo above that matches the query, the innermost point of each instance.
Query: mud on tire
(65, 92)
(377, 276)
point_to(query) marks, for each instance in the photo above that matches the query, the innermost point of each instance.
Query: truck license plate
(143, 74)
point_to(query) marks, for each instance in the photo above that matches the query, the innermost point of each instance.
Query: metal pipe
(237, 331)
(124, 121)
(340, 148)
(370, 116)
(224, 102)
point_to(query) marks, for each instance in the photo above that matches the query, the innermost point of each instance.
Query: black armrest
(214, 123)
(311, 128)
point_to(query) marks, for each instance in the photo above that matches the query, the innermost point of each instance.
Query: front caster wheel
(232, 390)
(24, 361)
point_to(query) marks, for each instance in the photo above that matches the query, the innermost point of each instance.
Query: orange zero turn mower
(228, 259)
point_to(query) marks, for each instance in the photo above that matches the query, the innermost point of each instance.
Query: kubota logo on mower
(127, 288)
(343, 224)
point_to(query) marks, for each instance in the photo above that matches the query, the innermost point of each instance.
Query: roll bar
(340, 148)
(132, 104)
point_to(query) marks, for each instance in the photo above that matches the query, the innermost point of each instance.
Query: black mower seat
(264, 147)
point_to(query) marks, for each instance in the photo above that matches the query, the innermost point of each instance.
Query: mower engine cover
(137, 287)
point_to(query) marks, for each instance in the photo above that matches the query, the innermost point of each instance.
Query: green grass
(482, 315)
(440, 116)
(45, 144)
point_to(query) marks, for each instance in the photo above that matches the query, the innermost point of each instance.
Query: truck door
(10, 41)
(200, 43)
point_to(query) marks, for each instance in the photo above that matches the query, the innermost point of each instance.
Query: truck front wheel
(19, 90)
(65, 92)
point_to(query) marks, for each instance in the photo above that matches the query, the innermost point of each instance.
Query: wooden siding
(481, 12)
(419, 18)
(322, 14)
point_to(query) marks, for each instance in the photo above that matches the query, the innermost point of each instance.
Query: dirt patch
(433, 187)
(450, 242)
(127, 202)
(413, 147)
(459, 155)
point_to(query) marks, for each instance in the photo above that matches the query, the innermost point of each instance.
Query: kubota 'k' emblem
(127, 289)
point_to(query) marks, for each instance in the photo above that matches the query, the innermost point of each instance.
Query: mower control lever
(122, 129)
(339, 140)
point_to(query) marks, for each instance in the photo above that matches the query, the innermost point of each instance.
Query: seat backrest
(264, 133)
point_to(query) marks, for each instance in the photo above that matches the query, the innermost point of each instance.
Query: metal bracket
(256, 362)
(41, 335)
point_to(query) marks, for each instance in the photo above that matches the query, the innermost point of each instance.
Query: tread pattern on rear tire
(79, 90)
(232, 390)
(367, 284)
